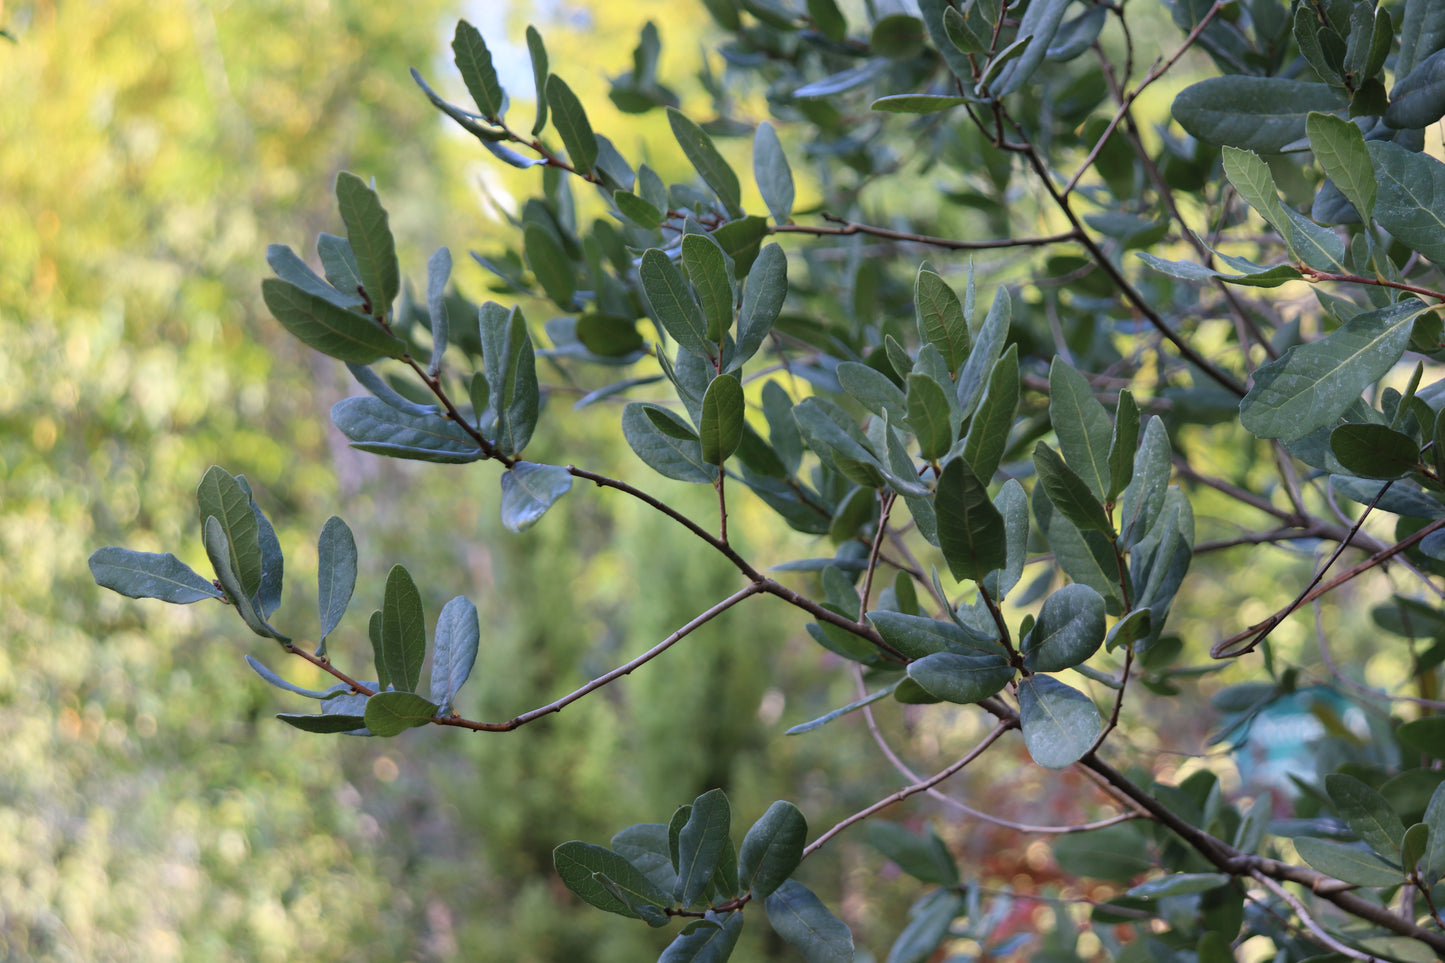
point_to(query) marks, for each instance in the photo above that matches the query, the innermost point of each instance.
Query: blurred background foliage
(150, 808)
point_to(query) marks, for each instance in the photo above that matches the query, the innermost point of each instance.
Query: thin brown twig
(747, 591)
(907, 791)
(1317, 932)
(847, 227)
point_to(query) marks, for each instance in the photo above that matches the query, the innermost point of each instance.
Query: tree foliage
(813, 339)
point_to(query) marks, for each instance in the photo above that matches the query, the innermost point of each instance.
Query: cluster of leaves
(867, 415)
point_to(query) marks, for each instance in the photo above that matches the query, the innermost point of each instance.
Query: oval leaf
(800, 918)
(721, 429)
(1060, 723)
(392, 713)
(403, 630)
(528, 490)
(454, 650)
(1070, 629)
(772, 849)
(149, 575)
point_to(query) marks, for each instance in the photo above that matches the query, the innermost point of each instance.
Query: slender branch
(907, 791)
(602, 481)
(751, 589)
(1313, 275)
(846, 227)
(1230, 648)
(1130, 293)
(324, 664)
(722, 507)
(1158, 70)
(1317, 931)
(885, 508)
(1249, 498)
(907, 772)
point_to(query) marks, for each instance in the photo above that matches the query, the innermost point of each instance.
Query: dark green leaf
(916, 636)
(368, 232)
(711, 277)
(673, 305)
(828, 19)
(637, 210)
(511, 371)
(1340, 148)
(1124, 444)
(1418, 98)
(741, 239)
(1086, 557)
(474, 62)
(528, 490)
(1158, 563)
(771, 171)
(924, 857)
(1411, 202)
(772, 849)
(1422, 32)
(970, 530)
(931, 917)
(940, 318)
(325, 723)
(218, 550)
(454, 650)
(916, 103)
(392, 713)
(958, 678)
(1059, 722)
(550, 264)
(373, 425)
(646, 847)
(1069, 493)
(149, 575)
(1352, 864)
(716, 173)
(1312, 384)
(570, 120)
(222, 497)
(1138, 624)
(988, 432)
(763, 295)
(701, 842)
(1178, 884)
(705, 941)
(929, 416)
(1084, 428)
(1118, 853)
(1434, 859)
(403, 630)
(325, 327)
(1144, 497)
(1375, 451)
(538, 52)
(579, 863)
(801, 919)
(609, 337)
(721, 429)
(1413, 846)
(1425, 735)
(1069, 630)
(335, 572)
(1254, 113)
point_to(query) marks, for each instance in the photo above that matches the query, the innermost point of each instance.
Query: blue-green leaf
(710, 272)
(438, 272)
(528, 490)
(1254, 113)
(771, 171)
(1340, 148)
(538, 52)
(510, 366)
(704, 156)
(1069, 493)
(1351, 864)
(959, 678)
(335, 573)
(1059, 722)
(940, 318)
(709, 940)
(1367, 813)
(149, 575)
(222, 497)
(801, 919)
(666, 443)
(454, 649)
(1084, 428)
(373, 425)
(1069, 630)
(772, 849)
(550, 264)
(1411, 201)
(672, 303)
(1312, 384)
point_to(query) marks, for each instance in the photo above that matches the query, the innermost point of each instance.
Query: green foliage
(1048, 432)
